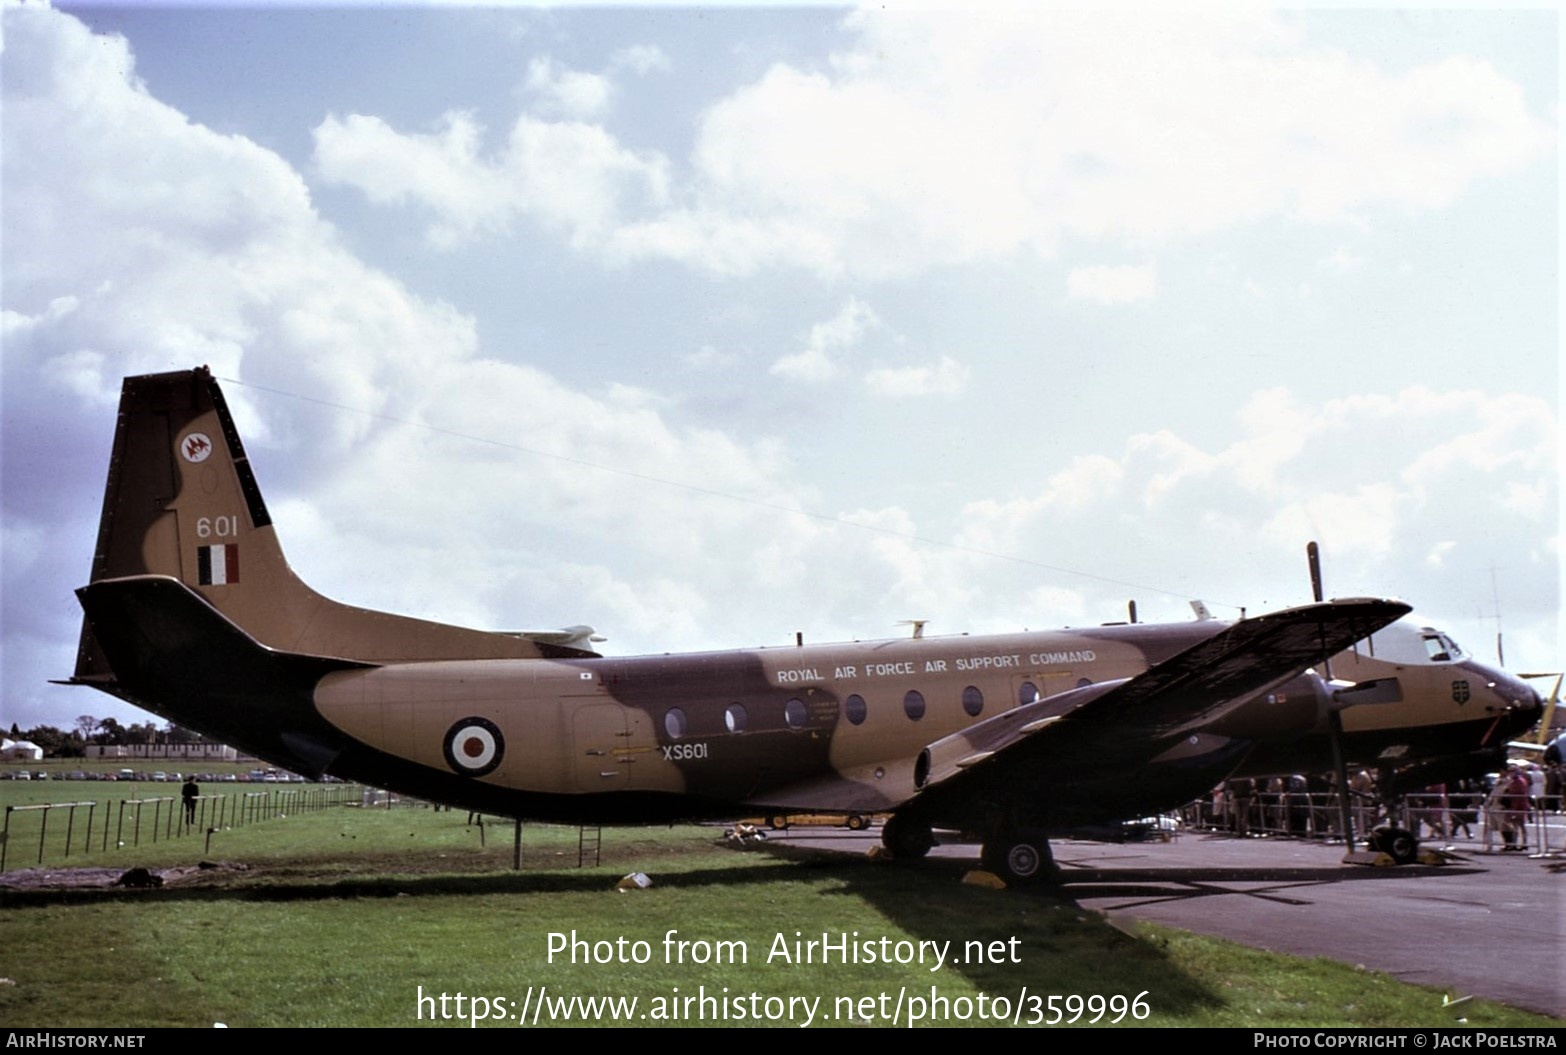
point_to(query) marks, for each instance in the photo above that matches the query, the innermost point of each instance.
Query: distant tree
(142, 733)
(56, 743)
(178, 734)
(15, 732)
(85, 725)
(110, 732)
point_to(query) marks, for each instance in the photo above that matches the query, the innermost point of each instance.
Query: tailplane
(182, 501)
(177, 656)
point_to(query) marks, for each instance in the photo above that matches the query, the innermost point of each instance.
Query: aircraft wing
(1127, 722)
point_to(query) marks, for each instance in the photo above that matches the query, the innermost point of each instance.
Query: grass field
(345, 916)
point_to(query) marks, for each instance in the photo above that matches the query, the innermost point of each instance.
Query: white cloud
(936, 138)
(15, 326)
(708, 357)
(945, 378)
(1361, 522)
(810, 365)
(1165, 462)
(1420, 487)
(724, 242)
(640, 58)
(441, 166)
(1113, 285)
(571, 94)
(570, 177)
(843, 332)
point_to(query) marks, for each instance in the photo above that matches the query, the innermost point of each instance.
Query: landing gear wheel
(908, 839)
(778, 822)
(857, 822)
(1397, 843)
(1019, 858)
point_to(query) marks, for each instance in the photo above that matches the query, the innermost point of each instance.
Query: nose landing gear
(908, 838)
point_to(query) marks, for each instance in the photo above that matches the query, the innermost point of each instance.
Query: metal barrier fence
(157, 817)
(1452, 819)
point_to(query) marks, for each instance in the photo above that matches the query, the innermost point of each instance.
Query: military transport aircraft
(193, 613)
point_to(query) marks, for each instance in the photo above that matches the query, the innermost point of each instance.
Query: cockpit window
(1407, 641)
(1440, 648)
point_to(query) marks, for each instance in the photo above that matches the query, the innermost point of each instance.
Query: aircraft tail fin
(182, 501)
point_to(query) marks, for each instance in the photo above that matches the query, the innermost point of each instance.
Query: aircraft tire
(1398, 844)
(908, 839)
(1019, 859)
(778, 822)
(857, 822)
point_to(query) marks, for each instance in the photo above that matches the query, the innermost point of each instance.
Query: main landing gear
(906, 837)
(1397, 843)
(1020, 857)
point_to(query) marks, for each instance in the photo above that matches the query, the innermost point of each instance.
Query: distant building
(180, 752)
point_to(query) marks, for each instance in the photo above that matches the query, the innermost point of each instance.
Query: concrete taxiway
(1487, 923)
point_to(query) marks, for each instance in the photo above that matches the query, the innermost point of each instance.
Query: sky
(707, 326)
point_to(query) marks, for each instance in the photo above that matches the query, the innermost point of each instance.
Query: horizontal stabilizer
(159, 635)
(582, 638)
(173, 653)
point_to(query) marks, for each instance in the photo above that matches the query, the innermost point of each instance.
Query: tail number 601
(217, 527)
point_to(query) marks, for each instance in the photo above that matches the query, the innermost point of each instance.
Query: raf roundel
(474, 746)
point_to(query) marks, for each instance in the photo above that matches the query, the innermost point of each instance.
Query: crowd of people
(1501, 803)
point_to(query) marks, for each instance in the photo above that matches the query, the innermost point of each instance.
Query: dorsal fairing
(580, 638)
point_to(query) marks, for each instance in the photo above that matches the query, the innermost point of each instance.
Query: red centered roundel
(474, 746)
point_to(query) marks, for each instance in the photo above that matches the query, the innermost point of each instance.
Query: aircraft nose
(1513, 691)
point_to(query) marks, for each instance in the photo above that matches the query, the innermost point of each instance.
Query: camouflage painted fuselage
(826, 727)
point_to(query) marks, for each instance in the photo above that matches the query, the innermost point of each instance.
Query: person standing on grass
(189, 793)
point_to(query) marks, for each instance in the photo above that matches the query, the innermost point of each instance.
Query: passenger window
(854, 707)
(1028, 693)
(674, 723)
(972, 701)
(734, 718)
(913, 704)
(794, 713)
